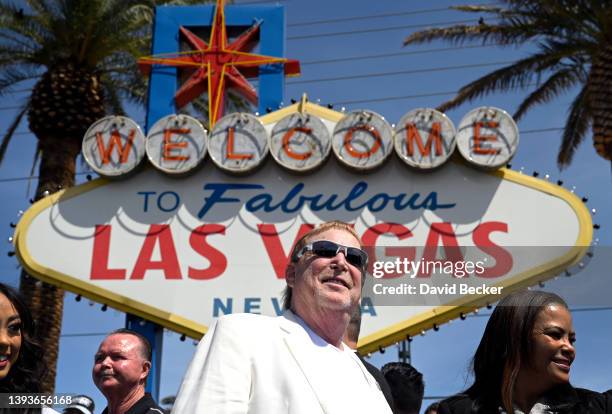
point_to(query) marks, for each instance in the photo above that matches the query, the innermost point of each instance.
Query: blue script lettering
(218, 189)
(294, 201)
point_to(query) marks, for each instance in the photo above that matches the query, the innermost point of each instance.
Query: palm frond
(560, 81)
(576, 127)
(112, 98)
(14, 56)
(28, 27)
(517, 75)
(14, 75)
(6, 139)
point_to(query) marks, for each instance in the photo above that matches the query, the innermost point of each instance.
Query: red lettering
(278, 257)
(170, 145)
(371, 235)
(348, 138)
(229, 149)
(300, 156)
(100, 253)
(440, 232)
(218, 262)
(158, 233)
(481, 139)
(412, 135)
(503, 258)
(115, 141)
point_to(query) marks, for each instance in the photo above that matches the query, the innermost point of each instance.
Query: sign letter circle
(487, 137)
(300, 142)
(176, 144)
(362, 140)
(238, 143)
(424, 138)
(113, 146)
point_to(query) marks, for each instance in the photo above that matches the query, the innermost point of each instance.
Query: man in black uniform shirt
(120, 371)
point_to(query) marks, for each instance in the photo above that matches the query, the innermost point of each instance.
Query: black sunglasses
(326, 248)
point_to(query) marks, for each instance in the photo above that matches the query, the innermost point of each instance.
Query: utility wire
(6, 108)
(393, 98)
(400, 72)
(404, 97)
(372, 16)
(335, 60)
(537, 131)
(380, 29)
(77, 335)
(13, 179)
(395, 54)
(343, 59)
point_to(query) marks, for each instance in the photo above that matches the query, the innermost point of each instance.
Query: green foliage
(572, 37)
(102, 37)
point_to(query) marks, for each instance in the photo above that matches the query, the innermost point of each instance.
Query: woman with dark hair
(21, 364)
(522, 364)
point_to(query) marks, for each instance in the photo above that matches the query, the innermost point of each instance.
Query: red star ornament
(217, 65)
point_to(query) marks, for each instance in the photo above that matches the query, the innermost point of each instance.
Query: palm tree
(574, 49)
(82, 55)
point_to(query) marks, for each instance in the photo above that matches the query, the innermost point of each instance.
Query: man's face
(119, 365)
(322, 283)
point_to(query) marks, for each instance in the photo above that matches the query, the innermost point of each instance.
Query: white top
(538, 408)
(347, 375)
(264, 365)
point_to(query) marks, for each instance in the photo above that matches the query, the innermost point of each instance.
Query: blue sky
(403, 79)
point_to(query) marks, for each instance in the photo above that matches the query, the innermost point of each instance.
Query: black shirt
(145, 405)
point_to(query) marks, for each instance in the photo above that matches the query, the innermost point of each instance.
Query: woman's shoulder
(593, 401)
(580, 400)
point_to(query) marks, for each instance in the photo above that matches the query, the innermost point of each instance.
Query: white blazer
(265, 365)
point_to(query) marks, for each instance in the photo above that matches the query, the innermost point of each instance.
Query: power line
(381, 29)
(536, 131)
(21, 90)
(394, 98)
(395, 54)
(14, 179)
(401, 72)
(6, 108)
(370, 17)
(77, 335)
(347, 59)
(403, 97)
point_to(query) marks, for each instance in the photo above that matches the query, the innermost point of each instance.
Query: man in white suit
(295, 363)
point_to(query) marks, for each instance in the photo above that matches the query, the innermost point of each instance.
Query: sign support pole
(154, 333)
(404, 354)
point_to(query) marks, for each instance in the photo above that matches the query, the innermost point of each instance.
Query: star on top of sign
(217, 65)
